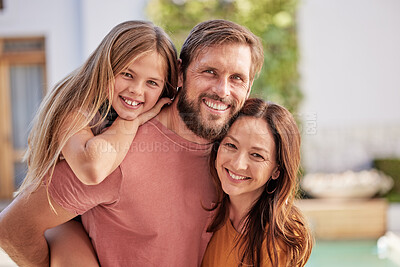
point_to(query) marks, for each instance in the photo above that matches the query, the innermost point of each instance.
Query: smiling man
(214, 87)
(150, 211)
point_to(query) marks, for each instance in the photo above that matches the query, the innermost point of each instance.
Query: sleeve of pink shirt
(69, 192)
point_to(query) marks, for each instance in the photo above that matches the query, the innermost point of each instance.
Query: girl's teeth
(236, 177)
(131, 103)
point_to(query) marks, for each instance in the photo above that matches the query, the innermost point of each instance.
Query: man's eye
(210, 71)
(236, 77)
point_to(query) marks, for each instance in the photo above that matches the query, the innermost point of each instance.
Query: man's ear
(180, 74)
(249, 89)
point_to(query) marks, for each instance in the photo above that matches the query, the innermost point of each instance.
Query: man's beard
(190, 113)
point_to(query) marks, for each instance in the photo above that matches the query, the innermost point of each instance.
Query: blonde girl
(134, 66)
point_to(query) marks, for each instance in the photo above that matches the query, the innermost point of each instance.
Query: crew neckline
(177, 139)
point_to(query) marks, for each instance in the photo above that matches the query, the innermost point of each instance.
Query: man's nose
(222, 87)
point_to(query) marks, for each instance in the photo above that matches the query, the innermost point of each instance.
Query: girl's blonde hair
(87, 89)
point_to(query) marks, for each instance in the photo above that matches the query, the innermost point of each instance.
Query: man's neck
(170, 118)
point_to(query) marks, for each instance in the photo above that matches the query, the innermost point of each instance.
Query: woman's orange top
(221, 250)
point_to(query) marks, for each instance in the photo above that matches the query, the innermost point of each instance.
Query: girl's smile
(138, 88)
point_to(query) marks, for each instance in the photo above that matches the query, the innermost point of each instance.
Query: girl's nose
(137, 89)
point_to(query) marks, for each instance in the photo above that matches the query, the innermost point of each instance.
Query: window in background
(22, 87)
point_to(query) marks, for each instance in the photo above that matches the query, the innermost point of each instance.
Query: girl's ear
(275, 174)
(180, 74)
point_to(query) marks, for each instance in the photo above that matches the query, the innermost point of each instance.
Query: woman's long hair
(273, 219)
(87, 89)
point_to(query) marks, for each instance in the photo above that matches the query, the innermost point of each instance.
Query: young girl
(255, 169)
(133, 67)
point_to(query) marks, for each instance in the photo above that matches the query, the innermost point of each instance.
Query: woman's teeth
(236, 177)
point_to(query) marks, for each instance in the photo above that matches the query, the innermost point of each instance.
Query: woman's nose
(239, 161)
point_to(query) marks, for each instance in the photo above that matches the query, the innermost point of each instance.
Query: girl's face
(139, 86)
(246, 159)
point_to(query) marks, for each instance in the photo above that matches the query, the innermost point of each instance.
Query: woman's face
(139, 86)
(246, 159)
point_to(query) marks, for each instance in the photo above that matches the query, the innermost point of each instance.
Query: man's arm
(70, 246)
(22, 227)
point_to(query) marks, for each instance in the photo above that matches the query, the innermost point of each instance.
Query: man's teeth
(236, 177)
(131, 103)
(219, 106)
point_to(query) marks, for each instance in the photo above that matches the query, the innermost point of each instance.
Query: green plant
(271, 20)
(391, 167)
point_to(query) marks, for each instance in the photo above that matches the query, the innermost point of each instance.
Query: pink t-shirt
(149, 211)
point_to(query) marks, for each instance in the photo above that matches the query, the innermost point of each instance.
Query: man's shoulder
(154, 128)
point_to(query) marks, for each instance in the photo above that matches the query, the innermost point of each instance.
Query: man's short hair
(219, 32)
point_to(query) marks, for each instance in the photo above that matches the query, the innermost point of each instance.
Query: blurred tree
(272, 20)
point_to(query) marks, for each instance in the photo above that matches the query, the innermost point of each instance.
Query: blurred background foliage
(390, 167)
(271, 20)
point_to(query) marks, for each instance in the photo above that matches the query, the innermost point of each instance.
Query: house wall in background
(72, 28)
(349, 67)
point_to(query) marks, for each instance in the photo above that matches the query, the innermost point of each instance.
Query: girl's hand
(142, 118)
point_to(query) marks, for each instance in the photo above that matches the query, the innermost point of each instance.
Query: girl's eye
(126, 74)
(258, 156)
(230, 145)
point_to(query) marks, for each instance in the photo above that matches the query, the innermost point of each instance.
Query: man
(150, 211)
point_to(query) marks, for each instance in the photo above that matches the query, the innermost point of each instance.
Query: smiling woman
(246, 161)
(255, 168)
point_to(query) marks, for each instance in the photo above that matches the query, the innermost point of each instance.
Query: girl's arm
(92, 158)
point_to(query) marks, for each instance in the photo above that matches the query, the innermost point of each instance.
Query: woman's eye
(256, 155)
(153, 83)
(229, 145)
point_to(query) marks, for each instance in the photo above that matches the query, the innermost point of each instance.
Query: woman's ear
(275, 174)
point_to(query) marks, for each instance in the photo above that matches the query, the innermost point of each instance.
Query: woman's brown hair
(273, 217)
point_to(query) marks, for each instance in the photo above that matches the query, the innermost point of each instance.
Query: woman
(255, 169)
